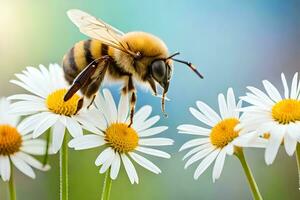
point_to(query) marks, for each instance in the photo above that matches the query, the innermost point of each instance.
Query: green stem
(46, 155)
(298, 161)
(12, 189)
(63, 158)
(106, 186)
(255, 191)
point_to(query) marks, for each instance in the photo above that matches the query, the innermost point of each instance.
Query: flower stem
(46, 155)
(106, 186)
(298, 161)
(63, 158)
(12, 189)
(253, 186)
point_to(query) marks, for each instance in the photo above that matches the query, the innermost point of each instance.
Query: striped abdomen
(81, 55)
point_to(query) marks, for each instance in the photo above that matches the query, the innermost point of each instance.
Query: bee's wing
(98, 29)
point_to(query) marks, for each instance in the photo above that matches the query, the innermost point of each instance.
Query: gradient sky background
(233, 43)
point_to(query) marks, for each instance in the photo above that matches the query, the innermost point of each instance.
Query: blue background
(233, 43)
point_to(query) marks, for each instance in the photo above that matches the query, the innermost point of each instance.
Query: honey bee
(134, 57)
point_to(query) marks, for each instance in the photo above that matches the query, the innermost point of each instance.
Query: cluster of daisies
(269, 121)
(105, 123)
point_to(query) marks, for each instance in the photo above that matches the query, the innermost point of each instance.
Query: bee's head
(161, 71)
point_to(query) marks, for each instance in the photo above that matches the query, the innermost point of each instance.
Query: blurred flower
(219, 140)
(110, 125)
(273, 116)
(16, 145)
(46, 106)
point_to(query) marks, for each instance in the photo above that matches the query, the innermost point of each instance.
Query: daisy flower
(274, 116)
(45, 104)
(219, 139)
(122, 144)
(16, 145)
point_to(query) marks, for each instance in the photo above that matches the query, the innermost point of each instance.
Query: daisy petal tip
(46, 168)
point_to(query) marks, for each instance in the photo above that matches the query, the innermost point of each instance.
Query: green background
(233, 43)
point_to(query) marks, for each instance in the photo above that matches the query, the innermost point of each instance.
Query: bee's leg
(152, 86)
(94, 86)
(132, 107)
(131, 89)
(79, 104)
(92, 101)
(82, 79)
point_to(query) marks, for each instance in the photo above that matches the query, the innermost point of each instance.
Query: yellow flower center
(266, 135)
(223, 133)
(56, 104)
(286, 111)
(10, 140)
(121, 138)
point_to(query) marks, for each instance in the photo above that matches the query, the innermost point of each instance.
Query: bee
(133, 57)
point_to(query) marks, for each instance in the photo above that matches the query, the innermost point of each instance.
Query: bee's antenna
(173, 55)
(190, 65)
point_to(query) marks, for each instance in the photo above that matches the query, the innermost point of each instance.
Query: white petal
(145, 124)
(103, 107)
(26, 87)
(261, 95)
(223, 106)
(285, 86)
(91, 122)
(229, 149)
(153, 152)
(156, 142)
(30, 123)
(208, 112)
(104, 156)
(115, 167)
(111, 104)
(26, 97)
(58, 133)
(289, 144)
(5, 113)
(194, 142)
(219, 165)
(34, 147)
(294, 87)
(201, 117)
(252, 99)
(107, 164)
(201, 154)
(22, 166)
(196, 150)
(4, 168)
(238, 106)
(205, 163)
(32, 161)
(45, 124)
(86, 142)
(130, 169)
(27, 107)
(123, 108)
(142, 114)
(73, 127)
(231, 103)
(152, 131)
(274, 144)
(272, 91)
(144, 163)
(193, 129)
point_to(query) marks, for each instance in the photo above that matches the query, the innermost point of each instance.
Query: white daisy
(122, 143)
(45, 105)
(16, 145)
(275, 116)
(219, 139)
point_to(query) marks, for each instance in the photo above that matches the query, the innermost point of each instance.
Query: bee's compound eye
(158, 70)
